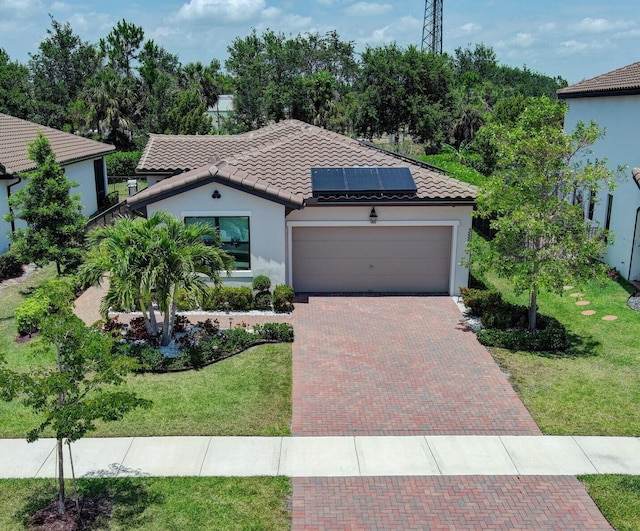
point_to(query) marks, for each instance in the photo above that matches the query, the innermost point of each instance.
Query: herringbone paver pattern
(397, 366)
(445, 503)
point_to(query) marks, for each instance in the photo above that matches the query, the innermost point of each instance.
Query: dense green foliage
(10, 266)
(535, 201)
(122, 163)
(126, 86)
(55, 228)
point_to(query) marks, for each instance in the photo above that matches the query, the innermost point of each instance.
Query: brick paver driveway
(397, 366)
(406, 366)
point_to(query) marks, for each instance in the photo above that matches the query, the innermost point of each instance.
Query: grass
(454, 168)
(162, 503)
(592, 389)
(248, 394)
(618, 498)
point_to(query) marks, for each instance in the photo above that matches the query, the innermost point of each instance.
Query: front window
(234, 236)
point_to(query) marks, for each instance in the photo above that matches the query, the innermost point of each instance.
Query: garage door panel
(376, 259)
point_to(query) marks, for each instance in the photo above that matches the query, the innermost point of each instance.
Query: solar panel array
(361, 180)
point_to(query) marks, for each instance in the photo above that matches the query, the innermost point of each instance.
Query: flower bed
(194, 346)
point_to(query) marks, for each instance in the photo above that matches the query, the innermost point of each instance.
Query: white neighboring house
(221, 110)
(314, 209)
(612, 100)
(82, 160)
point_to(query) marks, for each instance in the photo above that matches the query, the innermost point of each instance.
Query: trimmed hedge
(505, 324)
(228, 298)
(283, 298)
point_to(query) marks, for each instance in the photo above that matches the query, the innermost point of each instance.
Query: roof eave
(599, 93)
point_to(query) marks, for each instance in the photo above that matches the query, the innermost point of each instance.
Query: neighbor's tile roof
(622, 80)
(16, 134)
(277, 160)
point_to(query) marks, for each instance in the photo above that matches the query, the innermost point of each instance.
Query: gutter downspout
(13, 222)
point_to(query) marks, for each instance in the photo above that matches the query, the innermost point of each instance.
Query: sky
(575, 39)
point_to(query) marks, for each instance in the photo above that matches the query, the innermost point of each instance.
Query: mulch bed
(48, 519)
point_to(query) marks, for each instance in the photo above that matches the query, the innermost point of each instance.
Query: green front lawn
(161, 503)
(618, 498)
(593, 388)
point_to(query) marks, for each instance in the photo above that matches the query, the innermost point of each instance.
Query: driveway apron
(407, 365)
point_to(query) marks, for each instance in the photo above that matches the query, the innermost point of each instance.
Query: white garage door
(371, 259)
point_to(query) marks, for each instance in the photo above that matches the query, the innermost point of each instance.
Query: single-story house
(613, 101)
(82, 160)
(315, 209)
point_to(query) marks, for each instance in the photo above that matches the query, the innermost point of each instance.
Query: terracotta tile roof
(624, 80)
(277, 161)
(16, 134)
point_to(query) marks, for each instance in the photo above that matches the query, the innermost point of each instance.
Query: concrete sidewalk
(366, 456)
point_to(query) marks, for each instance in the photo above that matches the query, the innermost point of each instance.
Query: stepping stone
(567, 288)
(589, 312)
(609, 317)
(582, 303)
(576, 295)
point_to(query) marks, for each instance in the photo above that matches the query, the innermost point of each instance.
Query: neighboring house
(82, 160)
(612, 100)
(221, 111)
(314, 209)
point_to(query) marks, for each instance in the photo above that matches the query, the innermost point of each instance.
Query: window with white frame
(234, 236)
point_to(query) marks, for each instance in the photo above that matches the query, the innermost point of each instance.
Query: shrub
(492, 310)
(263, 301)
(281, 332)
(48, 298)
(122, 163)
(552, 336)
(10, 267)
(283, 298)
(261, 283)
(228, 298)
(30, 313)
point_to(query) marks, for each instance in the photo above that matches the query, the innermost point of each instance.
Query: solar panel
(335, 181)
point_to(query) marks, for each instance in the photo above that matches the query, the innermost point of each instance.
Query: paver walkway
(405, 365)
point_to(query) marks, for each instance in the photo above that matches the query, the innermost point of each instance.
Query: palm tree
(150, 261)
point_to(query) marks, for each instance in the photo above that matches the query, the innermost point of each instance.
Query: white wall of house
(266, 226)
(81, 172)
(457, 217)
(621, 146)
(5, 227)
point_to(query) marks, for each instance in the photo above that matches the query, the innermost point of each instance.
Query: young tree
(55, 224)
(149, 260)
(79, 390)
(543, 241)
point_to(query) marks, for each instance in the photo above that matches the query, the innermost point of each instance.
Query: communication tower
(432, 26)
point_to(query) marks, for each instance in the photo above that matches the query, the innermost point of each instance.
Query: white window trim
(453, 223)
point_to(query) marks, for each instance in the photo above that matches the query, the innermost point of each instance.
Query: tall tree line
(125, 87)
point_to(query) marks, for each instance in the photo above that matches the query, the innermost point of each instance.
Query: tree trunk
(150, 322)
(533, 308)
(169, 317)
(61, 508)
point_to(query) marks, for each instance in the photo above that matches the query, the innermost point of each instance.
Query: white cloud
(60, 6)
(547, 28)
(469, 28)
(523, 40)
(574, 47)
(221, 11)
(367, 9)
(600, 25)
(21, 8)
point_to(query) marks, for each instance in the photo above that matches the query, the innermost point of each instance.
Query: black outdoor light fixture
(216, 195)
(373, 216)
